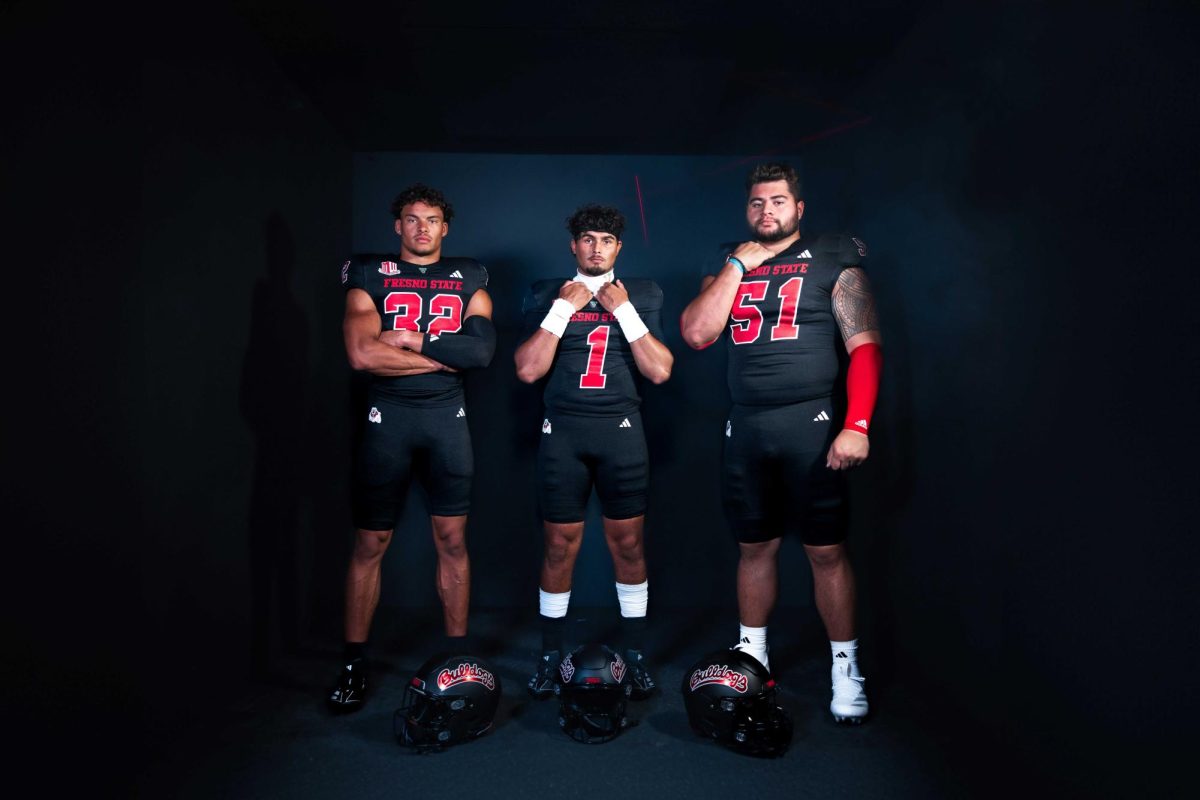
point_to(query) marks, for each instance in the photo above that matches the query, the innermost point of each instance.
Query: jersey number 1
(748, 320)
(597, 341)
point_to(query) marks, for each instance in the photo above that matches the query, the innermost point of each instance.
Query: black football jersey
(782, 336)
(594, 373)
(431, 299)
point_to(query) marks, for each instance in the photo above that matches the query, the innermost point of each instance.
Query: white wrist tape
(558, 316)
(631, 323)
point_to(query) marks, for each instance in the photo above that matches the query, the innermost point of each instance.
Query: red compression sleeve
(862, 386)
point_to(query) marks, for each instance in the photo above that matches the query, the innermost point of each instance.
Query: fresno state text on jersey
(783, 339)
(594, 373)
(429, 298)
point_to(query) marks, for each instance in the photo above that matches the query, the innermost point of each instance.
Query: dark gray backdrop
(177, 209)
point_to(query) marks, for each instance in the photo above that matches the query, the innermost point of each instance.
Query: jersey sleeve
(479, 277)
(535, 305)
(849, 251)
(354, 275)
(647, 298)
(714, 259)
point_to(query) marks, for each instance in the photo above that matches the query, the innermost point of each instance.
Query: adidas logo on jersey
(422, 269)
(805, 254)
(728, 429)
(433, 337)
(545, 426)
(460, 413)
(862, 423)
(374, 416)
(625, 423)
(456, 274)
(389, 268)
(822, 417)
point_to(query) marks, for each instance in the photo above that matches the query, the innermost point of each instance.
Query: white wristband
(558, 316)
(631, 323)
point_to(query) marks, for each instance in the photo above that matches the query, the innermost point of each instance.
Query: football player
(597, 337)
(788, 301)
(415, 321)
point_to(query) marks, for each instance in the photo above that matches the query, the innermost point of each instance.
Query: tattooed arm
(854, 310)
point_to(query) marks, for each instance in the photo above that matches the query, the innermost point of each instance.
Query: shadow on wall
(273, 400)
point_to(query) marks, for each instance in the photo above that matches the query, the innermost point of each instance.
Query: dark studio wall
(172, 199)
(1024, 182)
(246, 192)
(176, 459)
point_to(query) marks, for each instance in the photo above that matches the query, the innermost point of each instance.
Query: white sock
(844, 652)
(753, 641)
(553, 605)
(633, 597)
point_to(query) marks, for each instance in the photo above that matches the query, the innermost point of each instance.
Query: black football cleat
(541, 685)
(350, 691)
(643, 685)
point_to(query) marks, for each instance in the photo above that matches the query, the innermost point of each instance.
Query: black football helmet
(592, 687)
(451, 699)
(730, 697)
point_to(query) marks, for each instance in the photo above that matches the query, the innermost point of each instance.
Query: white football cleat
(849, 702)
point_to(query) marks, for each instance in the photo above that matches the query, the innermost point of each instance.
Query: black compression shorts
(773, 476)
(399, 441)
(578, 452)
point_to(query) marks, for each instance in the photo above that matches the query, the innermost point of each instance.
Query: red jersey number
(748, 319)
(446, 311)
(597, 341)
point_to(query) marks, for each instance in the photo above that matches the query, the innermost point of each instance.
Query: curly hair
(768, 173)
(593, 217)
(420, 193)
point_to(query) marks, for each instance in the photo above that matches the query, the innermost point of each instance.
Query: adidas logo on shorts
(545, 426)
(625, 423)
(460, 413)
(456, 274)
(822, 417)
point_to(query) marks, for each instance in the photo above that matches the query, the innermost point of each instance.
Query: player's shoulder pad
(354, 270)
(849, 251)
(541, 295)
(644, 293)
(474, 273)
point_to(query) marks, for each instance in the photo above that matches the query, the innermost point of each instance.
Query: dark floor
(278, 740)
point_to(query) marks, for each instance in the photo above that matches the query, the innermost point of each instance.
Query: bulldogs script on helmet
(719, 674)
(463, 673)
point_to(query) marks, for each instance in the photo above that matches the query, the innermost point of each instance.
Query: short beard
(593, 272)
(782, 232)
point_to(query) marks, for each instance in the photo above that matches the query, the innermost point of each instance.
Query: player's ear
(799, 209)
(445, 229)
(573, 245)
(617, 252)
(400, 226)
